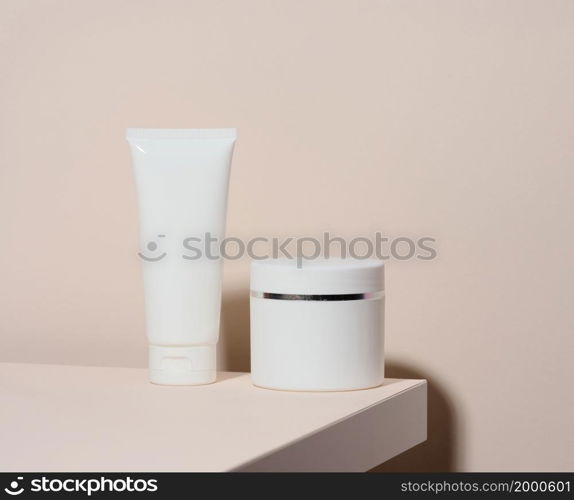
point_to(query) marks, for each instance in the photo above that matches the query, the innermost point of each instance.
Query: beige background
(445, 118)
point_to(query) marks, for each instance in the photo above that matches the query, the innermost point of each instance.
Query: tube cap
(191, 365)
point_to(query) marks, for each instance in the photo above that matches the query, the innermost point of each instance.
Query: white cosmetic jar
(317, 325)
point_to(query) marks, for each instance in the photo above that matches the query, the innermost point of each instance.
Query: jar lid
(325, 276)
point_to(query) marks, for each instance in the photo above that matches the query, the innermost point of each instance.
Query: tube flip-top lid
(184, 365)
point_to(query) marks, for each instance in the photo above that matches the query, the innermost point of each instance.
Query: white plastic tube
(182, 177)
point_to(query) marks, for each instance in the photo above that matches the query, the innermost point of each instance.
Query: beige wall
(445, 118)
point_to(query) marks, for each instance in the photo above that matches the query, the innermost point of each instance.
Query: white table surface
(71, 418)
